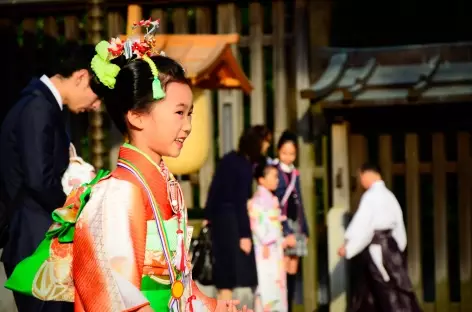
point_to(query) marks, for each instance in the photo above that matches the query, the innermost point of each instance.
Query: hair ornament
(133, 47)
(105, 71)
(157, 91)
(272, 161)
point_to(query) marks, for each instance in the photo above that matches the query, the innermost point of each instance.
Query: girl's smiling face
(288, 153)
(164, 129)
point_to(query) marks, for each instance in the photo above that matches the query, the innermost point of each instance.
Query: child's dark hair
(287, 136)
(133, 87)
(261, 169)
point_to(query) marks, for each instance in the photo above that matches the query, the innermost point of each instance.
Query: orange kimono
(118, 262)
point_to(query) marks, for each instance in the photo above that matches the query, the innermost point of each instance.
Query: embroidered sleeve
(109, 249)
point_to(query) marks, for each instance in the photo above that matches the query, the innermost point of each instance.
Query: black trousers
(31, 304)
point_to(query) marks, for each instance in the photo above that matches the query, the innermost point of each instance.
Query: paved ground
(6, 299)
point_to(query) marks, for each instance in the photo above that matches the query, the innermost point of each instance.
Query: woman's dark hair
(287, 136)
(261, 168)
(133, 87)
(250, 142)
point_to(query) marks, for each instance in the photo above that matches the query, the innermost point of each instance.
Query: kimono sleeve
(109, 249)
(261, 226)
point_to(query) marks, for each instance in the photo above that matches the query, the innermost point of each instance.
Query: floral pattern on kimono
(264, 213)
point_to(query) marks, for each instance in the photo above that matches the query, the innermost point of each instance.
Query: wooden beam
(440, 222)
(279, 69)
(412, 185)
(306, 155)
(360, 82)
(424, 79)
(258, 100)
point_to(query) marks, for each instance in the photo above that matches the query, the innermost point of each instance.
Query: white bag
(78, 172)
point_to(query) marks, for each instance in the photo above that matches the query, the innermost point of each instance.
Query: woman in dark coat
(226, 209)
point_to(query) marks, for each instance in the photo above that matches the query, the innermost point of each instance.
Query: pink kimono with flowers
(264, 213)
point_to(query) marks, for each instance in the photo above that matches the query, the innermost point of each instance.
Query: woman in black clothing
(295, 227)
(226, 210)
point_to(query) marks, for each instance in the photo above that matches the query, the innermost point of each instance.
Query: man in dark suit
(34, 154)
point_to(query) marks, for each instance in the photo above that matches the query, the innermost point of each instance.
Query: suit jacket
(34, 154)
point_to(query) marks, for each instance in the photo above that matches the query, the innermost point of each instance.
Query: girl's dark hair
(287, 136)
(261, 168)
(250, 142)
(133, 87)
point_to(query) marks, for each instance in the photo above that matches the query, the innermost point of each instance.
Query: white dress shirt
(378, 210)
(45, 79)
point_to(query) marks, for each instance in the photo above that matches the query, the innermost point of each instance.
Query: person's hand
(265, 252)
(146, 309)
(245, 245)
(342, 251)
(290, 241)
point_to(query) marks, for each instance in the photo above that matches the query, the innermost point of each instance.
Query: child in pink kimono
(264, 213)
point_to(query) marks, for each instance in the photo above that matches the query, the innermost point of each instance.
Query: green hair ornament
(105, 71)
(157, 91)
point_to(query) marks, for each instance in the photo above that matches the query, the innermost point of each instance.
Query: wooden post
(358, 156)
(256, 34)
(279, 69)
(385, 156)
(306, 155)
(230, 102)
(135, 14)
(412, 185)
(204, 18)
(440, 223)
(95, 33)
(115, 26)
(180, 21)
(341, 192)
(464, 171)
(161, 15)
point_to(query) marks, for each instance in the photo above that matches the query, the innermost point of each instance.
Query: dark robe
(369, 291)
(226, 209)
(34, 154)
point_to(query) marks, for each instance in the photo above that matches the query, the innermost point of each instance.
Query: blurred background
(389, 82)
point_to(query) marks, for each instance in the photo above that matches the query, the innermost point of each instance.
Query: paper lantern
(195, 150)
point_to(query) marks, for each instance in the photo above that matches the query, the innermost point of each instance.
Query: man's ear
(135, 120)
(80, 76)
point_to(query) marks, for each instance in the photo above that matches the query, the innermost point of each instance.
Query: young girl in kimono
(264, 214)
(131, 238)
(288, 192)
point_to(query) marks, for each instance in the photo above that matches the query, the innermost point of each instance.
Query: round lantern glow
(195, 150)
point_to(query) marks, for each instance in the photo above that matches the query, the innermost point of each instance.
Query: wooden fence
(426, 160)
